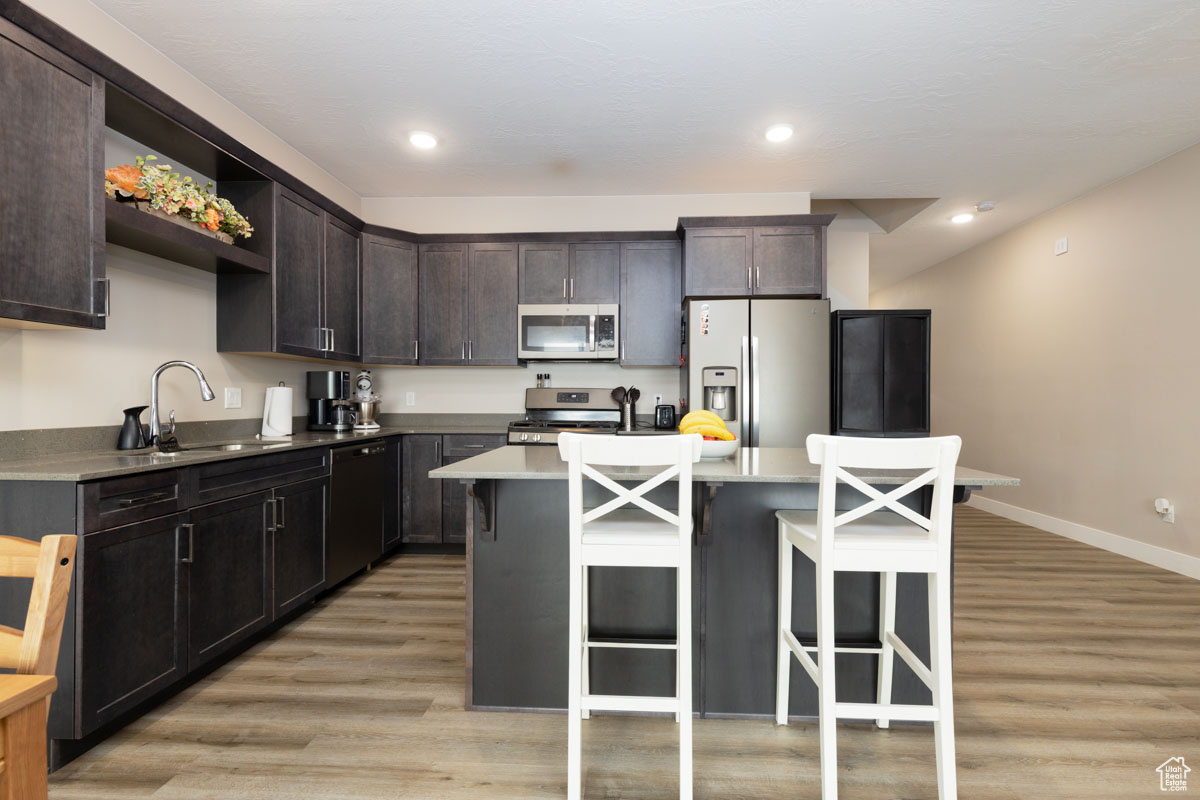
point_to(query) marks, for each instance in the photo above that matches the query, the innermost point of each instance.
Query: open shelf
(125, 225)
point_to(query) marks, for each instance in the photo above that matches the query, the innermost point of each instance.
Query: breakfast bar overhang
(517, 550)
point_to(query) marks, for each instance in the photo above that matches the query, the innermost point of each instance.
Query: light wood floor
(1076, 675)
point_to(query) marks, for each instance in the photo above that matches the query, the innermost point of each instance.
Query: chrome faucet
(156, 430)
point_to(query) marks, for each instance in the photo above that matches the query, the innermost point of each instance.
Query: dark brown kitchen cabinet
(444, 304)
(226, 548)
(131, 616)
(650, 304)
(560, 273)
(299, 517)
(389, 307)
(493, 308)
(718, 262)
(881, 372)
(297, 272)
(422, 495)
(392, 519)
(51, 186)
(342, 291)
(434, 511)
(595, 273)
(782, 255)
(309, 304)
(790, 261)
(544, 272)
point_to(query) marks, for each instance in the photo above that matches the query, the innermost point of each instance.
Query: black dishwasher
(357, 484)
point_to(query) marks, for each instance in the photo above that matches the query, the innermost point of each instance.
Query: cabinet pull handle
(463, 355)
(470, 349)
(271, 528)
(437, 451)
(416, 349)
(622, 349)
(107, 297)
(282, 509)
(130, 502)
(756, 277)
(572, 288)
(191, 532)
(564, 288)
(474, 446)
(331, 339)
(749, 276)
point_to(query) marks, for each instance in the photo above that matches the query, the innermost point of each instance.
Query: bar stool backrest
(34, 650)
(937, 456)
(581, 451)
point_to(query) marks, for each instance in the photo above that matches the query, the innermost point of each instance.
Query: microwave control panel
(606, 332)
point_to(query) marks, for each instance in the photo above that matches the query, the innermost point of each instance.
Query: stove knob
(537, 437)
(524, 437)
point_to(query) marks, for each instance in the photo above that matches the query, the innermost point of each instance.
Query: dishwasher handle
(359, 451)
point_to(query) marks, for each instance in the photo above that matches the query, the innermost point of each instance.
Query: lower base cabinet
(227, 555)
(132, 624)
(300, 516)
(434, 511)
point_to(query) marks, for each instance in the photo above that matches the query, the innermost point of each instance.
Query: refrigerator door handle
(745, 381)
(754, 372)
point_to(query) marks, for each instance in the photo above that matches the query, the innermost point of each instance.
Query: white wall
(1078, 373)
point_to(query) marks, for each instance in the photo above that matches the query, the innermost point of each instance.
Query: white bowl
(715, 451)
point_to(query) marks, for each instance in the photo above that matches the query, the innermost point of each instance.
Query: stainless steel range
(549, 412)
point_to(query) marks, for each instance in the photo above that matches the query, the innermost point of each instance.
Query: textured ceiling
(1024, 102)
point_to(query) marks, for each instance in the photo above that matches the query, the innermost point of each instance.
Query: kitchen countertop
(86, 466)
(748, 465)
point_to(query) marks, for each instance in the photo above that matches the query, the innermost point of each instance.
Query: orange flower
(126, 177)
(214, 219)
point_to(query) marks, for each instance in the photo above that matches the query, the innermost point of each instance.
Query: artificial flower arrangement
(170, 195)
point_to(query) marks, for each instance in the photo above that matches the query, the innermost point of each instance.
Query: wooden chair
(880, 535)
(612, 535)
(33, 653)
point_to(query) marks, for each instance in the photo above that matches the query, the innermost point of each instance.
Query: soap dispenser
(133, 435)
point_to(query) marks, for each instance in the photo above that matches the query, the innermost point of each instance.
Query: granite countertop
(93, 465)
(748, 465)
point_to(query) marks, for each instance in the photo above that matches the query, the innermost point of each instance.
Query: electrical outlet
(410, 398)
(1165, 509)
(1060, 246)
(233, 397)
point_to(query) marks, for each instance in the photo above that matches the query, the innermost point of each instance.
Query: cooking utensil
(634, 394)
(618, 394)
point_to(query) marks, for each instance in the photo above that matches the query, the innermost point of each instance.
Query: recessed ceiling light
(779, 133)
(959, 219)
(423, 140)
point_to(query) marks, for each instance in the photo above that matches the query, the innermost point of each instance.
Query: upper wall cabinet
(650, 304)
(51, 187)
(468, 304)
(755, 256)
(561, 273)
(309, 304)
(389, 306)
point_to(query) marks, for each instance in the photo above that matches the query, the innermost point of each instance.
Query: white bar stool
(870, 538)
(614, 536)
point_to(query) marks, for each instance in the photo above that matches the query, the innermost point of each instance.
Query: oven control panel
(606, 332)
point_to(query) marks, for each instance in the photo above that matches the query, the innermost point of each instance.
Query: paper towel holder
(277, 421)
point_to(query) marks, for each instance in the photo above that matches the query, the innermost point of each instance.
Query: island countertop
(748, 465)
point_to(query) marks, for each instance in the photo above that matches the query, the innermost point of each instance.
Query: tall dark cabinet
(51, 186)
(389, 306)
(881, 369)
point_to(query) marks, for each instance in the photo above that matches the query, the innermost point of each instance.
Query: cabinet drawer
(121, 501)
(470, 444)
(224, 479)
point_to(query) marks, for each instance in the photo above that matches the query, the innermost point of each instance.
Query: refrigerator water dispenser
(720, 391)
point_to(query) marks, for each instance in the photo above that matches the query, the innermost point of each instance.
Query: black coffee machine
(329, 405)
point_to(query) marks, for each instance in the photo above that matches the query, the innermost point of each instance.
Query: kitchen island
(517, 587)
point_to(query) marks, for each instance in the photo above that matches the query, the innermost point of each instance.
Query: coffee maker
(329, 404)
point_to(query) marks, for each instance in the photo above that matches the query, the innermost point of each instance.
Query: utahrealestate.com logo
(1172, 775)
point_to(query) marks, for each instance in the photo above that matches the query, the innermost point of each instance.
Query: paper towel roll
(277, 413)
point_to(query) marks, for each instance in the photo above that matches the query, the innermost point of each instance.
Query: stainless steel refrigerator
(761, 364)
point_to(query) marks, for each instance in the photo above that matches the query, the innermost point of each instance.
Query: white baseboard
(1122, 545)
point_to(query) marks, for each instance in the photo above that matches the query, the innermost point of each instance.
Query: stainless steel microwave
(567, 332)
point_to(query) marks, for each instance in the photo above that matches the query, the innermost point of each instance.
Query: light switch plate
(410, 398)
(233, 397)
(1060, 246)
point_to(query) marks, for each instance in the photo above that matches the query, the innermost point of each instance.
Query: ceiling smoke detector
(986, 205)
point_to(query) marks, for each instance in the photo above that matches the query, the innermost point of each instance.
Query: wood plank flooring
(1075, 676)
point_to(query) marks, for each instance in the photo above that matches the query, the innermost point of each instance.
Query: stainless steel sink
(218, 448)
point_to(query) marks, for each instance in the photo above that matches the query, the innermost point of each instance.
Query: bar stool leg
(574, 679)
(943, 687)
(887, 624)
(827, 682)
(783, 665)
(585, 670)
(683, 680)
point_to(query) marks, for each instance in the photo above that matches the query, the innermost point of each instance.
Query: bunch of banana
(705, 423)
